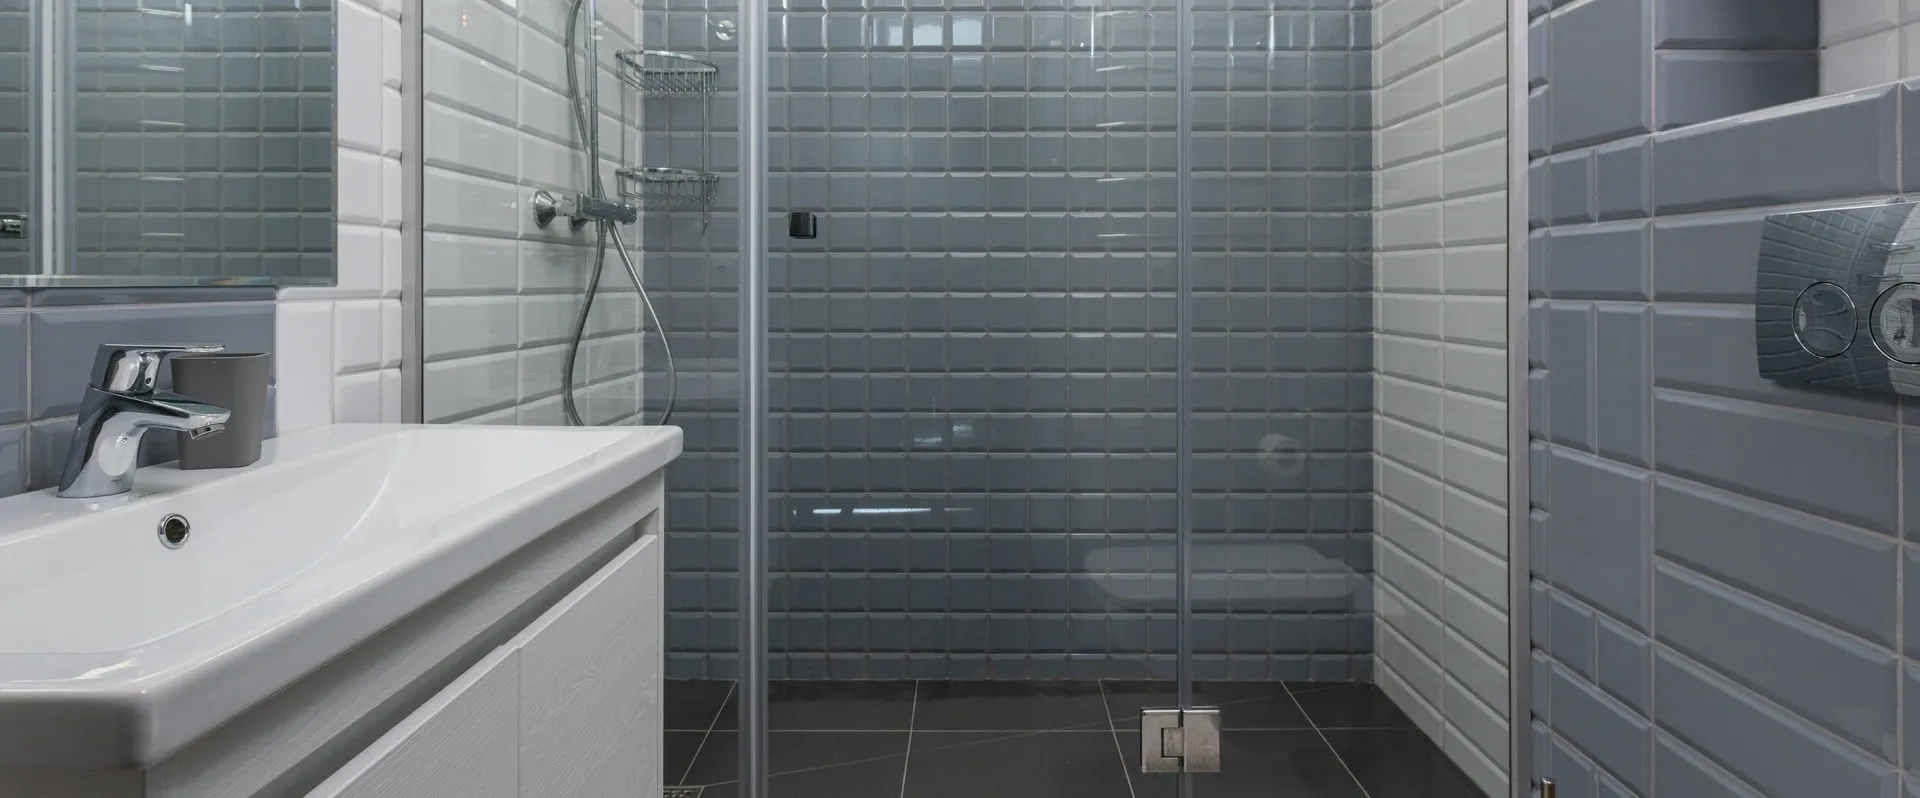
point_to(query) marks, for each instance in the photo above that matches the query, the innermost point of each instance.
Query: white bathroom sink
(335, 534)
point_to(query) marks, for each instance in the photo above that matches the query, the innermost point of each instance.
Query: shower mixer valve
(581, 209)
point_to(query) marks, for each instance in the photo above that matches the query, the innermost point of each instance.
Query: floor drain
(681, 792)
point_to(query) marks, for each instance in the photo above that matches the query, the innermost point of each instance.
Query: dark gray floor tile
(679, 749)
(1009, 705)
(1042, 765)
(694, 704)
(872, 779)
(1348, 706)
(1259, 764)
(1243, 705)
(834, 706)
(1400, 763)
(792, 752)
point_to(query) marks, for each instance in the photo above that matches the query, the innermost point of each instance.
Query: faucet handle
(133, 368)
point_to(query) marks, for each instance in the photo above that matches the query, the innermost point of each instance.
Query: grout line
(912, 717)
(1125, 772)
(1328, 743)
(732, 687)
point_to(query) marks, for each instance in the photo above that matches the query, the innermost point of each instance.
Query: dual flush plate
(1836, 299)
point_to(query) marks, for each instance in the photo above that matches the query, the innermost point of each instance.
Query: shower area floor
(1052, 739)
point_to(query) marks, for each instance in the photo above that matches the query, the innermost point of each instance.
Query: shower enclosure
(1029, 362)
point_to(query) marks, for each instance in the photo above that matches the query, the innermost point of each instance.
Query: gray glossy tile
(1599, 544)
(1849, 688)
(1843, 576)
(1613, 735)
(1737, 25)
(1602, 85)
(1621, 180)
(67, 297)
(13, 367)
(1624, 664)
(13, 460)
(1623, 382)
(1606, 261)
(1684, 770)
(1570, 187)
(1570, 376)
(1758, 742)
(66, 338)
(1841, 146)
(1839, 467)
(1701, 86)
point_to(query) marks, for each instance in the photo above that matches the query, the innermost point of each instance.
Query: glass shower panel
(1279, 236)
(972, 388)
(1281, 311)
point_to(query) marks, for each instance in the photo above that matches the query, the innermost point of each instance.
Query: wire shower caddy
(663, 73)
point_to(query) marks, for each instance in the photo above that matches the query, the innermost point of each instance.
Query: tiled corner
(1440, 301)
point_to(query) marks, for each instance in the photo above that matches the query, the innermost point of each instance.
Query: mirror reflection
(194, 145)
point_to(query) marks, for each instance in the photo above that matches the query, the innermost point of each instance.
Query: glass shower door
(972, 514)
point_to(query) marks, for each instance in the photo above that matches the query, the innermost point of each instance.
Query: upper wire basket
(663, 72)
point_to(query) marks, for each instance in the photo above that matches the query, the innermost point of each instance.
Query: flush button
(1823, 319)
(1895, 322)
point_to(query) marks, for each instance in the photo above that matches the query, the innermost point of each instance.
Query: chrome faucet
(119, 407)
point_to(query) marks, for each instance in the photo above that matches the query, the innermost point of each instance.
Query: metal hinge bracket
(13, 225)
(1180, 740)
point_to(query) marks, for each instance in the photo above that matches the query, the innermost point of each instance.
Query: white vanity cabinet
(568, 707)
(382, 610)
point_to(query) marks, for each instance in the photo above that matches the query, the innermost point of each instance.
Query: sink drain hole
(174, 530)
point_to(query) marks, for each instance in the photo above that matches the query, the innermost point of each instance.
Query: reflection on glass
(16, 138)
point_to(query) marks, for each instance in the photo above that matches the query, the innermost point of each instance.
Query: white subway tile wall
(338, 347)
(501, 295)
(1440, 421)
(1868, 42)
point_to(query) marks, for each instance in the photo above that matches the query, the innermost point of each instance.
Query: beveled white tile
(1860, 62)
(358, 70)
(1841, 20)
(358, 328)
(356, 398)
(303, 344)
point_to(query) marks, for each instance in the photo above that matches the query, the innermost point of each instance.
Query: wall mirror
(166, 142)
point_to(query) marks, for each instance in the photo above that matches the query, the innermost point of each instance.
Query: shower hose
(583, 118)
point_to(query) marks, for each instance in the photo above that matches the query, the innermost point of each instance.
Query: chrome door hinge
(1180, 740)
(13, 225)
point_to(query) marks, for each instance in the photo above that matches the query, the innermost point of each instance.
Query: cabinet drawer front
(462, 743)
(570, 706)
(590, 718)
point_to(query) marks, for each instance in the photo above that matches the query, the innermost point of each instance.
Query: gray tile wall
(974, 384)
(16, 146)
(47, 343)
(1717, 560)
(204, 138)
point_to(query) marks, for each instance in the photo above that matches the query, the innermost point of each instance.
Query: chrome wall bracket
(580, 210)
(1180, 740)
(546, 207)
